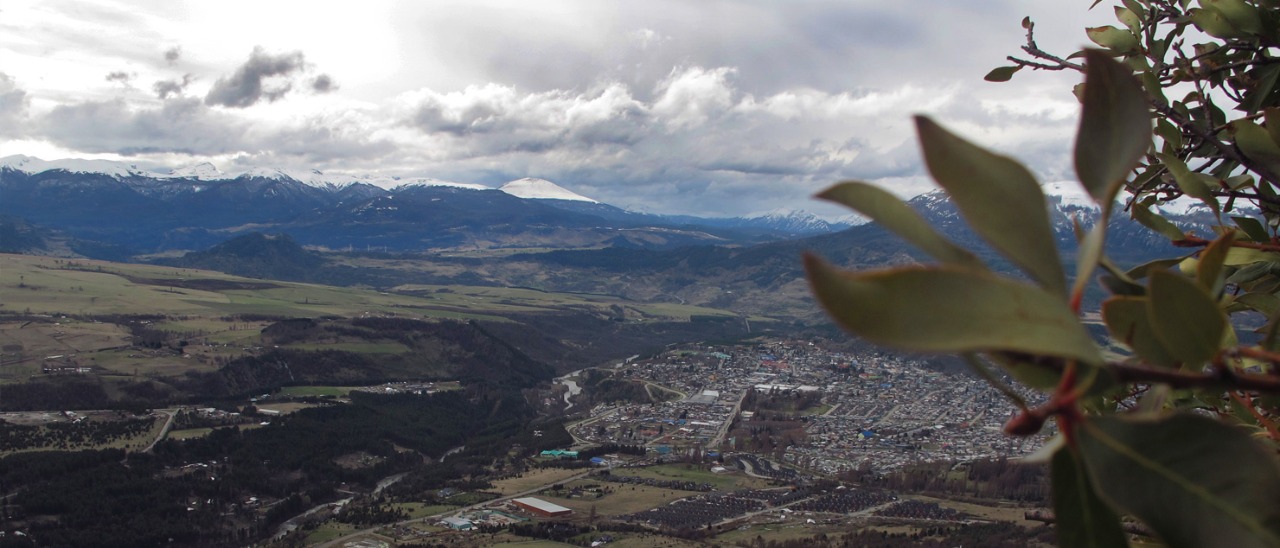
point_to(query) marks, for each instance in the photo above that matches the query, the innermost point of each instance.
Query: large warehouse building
(541, 507)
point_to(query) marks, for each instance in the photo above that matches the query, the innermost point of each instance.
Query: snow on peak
(542, 189)
(32, 165)
(202, 171)
(783, 213)
(397, 182)
(1069, 194)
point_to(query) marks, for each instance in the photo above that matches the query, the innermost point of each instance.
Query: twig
(1219, 378)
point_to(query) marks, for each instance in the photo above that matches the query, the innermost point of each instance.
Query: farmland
(131, 324)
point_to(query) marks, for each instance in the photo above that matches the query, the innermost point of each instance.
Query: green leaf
(1145, 269)
(999, 198)
(1256, 144)
(1002, 74)
(1209, 266)
(1252, 228)
(1215, 23)
(1272, 118)
(1171, 134)
(1243, 255)
(1114, 39)
(1239, 14)
(1253, 272)
(1196, 185)
(1265, 303)
(1128, 18)
(1186, 320)
(886, 210)
(950, 309)
(1040, 376)
(1155, 222)
(1127, 321)
(1083, 519)
(1088, 255)
(1115, 127)
(1192, 480)
(1256, 96)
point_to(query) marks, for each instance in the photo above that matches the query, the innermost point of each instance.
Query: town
(819, 410)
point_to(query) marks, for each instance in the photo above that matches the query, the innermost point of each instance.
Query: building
(541, 507)
(457, 524)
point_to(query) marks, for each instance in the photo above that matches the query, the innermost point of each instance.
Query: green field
(317, 391)
(723, 482)
(421, 510)
(206, 311)
(189, 433)
(328, 531)
(46, 285)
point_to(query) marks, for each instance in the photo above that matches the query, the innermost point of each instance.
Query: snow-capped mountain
(795, 222)
(148, 211)
(542, 189)
(28, 164)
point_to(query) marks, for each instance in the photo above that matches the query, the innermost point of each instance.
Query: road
(434, 517)
(168, 424)
(728, 421)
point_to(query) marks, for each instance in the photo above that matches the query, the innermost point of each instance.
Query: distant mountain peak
(398, 182)
(29, 164)
(542, 189)
(202, 170)
(795, 221)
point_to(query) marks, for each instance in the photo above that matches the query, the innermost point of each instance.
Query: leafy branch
(1132, 445)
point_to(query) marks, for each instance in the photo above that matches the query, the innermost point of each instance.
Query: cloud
(185, 126)
(13, 107)
(323, 84)
(172, 54)
(263, 76)
(165, 88)
(119, 76)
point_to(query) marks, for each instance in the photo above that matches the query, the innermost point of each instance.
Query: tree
(1181, 431)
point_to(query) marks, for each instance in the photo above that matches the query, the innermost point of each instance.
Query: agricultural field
(317, 391)
(680, 472)
(532, 479)
(624, 498)
(86, 317)
(45, 285)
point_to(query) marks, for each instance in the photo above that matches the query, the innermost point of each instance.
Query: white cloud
(708, 107)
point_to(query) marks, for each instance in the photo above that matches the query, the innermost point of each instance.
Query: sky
(710, 108)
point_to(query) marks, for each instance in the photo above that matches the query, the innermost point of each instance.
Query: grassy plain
(625, 499)
(723, 482)
(317, 391)
(421, 510)
(532, 479)
(209, 310)
(188, 433)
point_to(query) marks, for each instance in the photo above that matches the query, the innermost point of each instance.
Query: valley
(254, 402)
(295, 375)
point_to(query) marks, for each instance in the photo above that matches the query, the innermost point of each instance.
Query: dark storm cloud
(185, 125)
(165, 88)
(323, 84)
(263, 76)
(180, 125)
(13, 107)
(172, 54)
(119, 76)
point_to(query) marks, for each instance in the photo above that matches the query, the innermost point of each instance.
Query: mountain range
(529, 233)
(135, 211)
